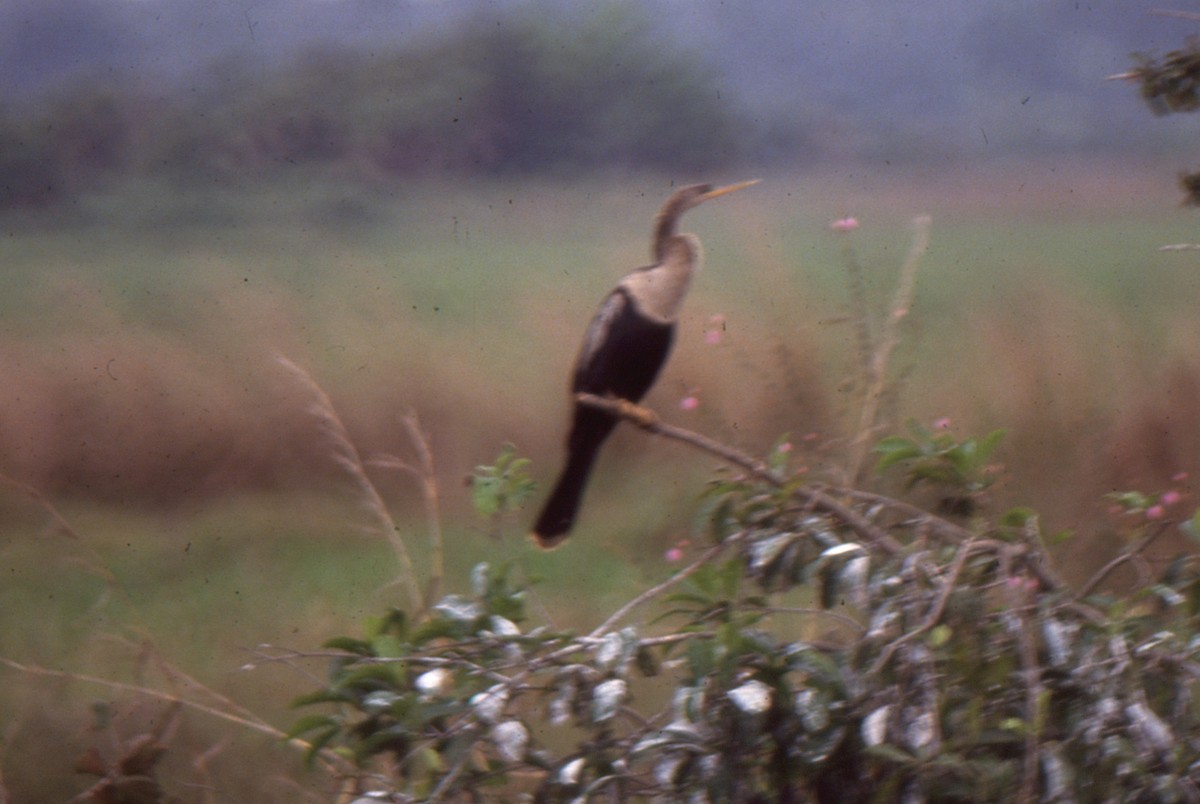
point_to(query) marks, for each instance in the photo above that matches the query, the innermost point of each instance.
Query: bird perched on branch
(624, 348)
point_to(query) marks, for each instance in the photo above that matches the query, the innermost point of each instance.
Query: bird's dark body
(634, 352)
(624, 349)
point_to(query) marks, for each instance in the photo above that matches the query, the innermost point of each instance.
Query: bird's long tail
(588, 432)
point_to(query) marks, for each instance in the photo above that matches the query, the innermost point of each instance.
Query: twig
(1179, 15)
(889, 337)
(935, 612)
(810, 612)
(346, 455)
(1031, 672)
(654, 591)
(252, 723)
(943, 528)
(860, 311)
(1129, 555)
(40, 500)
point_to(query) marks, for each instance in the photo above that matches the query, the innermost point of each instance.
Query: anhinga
(624, 348)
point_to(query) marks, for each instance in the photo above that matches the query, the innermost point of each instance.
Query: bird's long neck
(659, 290)
(665, 227)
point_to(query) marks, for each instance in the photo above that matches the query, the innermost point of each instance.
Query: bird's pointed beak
(729, 188)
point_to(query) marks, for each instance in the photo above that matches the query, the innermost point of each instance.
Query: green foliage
(1170, 85)
(502, 487)
(941, 664)
(411, 689)
(958, 469)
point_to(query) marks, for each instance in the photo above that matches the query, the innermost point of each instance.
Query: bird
(623, 350)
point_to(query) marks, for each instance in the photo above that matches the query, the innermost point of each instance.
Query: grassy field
(143, 398)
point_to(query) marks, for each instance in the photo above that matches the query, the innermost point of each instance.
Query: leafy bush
(939, 663)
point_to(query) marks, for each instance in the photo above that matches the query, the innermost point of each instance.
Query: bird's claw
(642, 417)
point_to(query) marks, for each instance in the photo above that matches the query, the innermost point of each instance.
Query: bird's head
(681, 201)
(694, 195)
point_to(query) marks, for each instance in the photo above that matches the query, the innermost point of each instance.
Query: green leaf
(309, 723)
(350, 645)
(890, 753)
(503, 486)
(1191, 527)
(940, 635)
(989, 444)
(322, 696)
(317, 743)
(895, 449)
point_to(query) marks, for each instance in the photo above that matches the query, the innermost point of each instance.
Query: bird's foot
(642, 417)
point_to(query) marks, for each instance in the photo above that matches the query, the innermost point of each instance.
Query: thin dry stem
(346, 455)
(881, 355)
(935, 612)
(252, 723)
(1179, 15)
(426, 478)
(654, 591)
(1128, 555)
(1030, 673)
(860, 312)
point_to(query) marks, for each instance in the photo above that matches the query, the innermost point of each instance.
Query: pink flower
(942, 424)
(1022, 583)
(675, 554)
(715, 329)
(1179, 477)
(786, 446)
(689, 402)
(1170, 497)
(847, 224)
(1155, 512)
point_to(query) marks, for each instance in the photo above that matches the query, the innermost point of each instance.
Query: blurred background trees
(527, 96)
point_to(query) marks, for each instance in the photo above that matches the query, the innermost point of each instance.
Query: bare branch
(654, 591)
(1129, 555)
(252, 723)
(935, 612)
(819, 500)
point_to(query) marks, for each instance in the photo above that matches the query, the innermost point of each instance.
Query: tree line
(518, 95)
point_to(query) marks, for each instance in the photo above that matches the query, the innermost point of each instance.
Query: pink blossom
(715, 329)
(674, 555)
(689, 402)
(847, 224)
(1155, 512)
(786, 446)
(942, 424)
(1170, 497)
(1179, 477)
(1022, 583)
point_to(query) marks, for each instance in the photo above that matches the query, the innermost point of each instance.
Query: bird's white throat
(659, 290)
